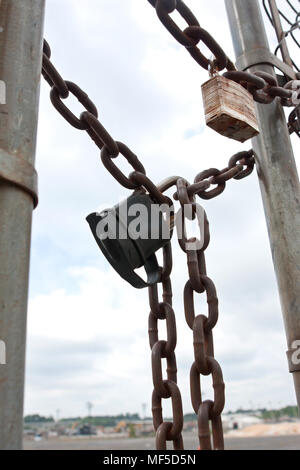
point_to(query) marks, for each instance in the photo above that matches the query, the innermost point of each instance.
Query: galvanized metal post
(278, 177)
(21, 25)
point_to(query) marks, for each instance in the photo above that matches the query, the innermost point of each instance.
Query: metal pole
(278, 178)
(21, 24)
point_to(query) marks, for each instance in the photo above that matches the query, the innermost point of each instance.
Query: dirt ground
(291, 442)
(264, 430)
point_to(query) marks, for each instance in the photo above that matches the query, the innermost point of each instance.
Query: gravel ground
(253, 443)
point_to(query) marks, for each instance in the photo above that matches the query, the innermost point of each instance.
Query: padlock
(127, 249)
(229, 109)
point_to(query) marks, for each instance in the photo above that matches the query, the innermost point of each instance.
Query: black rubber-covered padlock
(111, 230)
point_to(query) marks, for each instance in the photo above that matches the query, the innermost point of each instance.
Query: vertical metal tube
(21, 24)
(278, 178)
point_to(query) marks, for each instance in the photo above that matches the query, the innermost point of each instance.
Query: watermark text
(2, 353)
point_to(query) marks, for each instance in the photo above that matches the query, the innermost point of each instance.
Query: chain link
(207, 185)
(192, 35)
(89, 122)
(165, 389)
(294, 121)
(202, 327)
(110, 149)
(240, 166)
(263, 86)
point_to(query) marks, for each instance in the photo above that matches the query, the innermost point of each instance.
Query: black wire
(293, 37)
(295, 65)
(285, 18)
(290, 32)
(268, 13)
(292, 6)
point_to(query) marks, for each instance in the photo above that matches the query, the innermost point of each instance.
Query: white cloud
(90, 344)
(88, 328)
(83, 339)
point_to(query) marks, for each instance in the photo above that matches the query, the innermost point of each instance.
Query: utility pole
(89, 406)
(277, 173)
(21, 25)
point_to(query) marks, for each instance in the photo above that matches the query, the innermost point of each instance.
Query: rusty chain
(202, 326)
(192, 35)
(263, 86)
(89, 122)
(207, 185)
(111, 149)
(165, 389)
(240, 166)
(294, 121)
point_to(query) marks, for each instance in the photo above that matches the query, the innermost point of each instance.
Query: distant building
(239, 421)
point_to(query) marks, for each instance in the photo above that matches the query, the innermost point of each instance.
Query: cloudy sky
(87, 329)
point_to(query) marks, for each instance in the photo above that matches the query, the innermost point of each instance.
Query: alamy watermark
(2, 92)
(295, 359)
(296, 96)
(2, 353)
(139, 222)
(2, 86)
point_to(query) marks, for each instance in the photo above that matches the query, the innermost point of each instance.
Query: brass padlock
(124, 247)
(229, 109)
